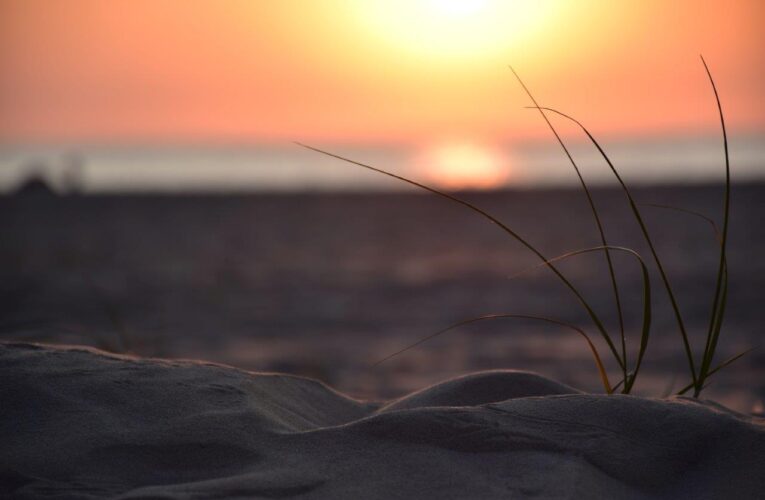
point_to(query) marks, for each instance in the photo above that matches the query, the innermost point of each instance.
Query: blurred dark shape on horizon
(37, 178)
(36, 184)
(35, 187)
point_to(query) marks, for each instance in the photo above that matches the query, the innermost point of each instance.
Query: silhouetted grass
(699, 376)
(721, 287)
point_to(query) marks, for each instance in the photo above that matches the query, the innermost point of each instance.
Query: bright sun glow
(457, 7)
(451, 29)
(463, 166)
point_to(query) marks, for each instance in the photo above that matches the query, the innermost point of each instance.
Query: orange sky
(165, 71)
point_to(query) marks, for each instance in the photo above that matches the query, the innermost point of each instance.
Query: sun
(456, 7)
(454, 29)
(463, 165)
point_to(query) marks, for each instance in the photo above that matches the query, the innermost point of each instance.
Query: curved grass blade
(649, 241)
(717, 369)
(709, 220)
(601, 368)
(721, 288)
(629, 378)
(598, 223)
(595, 319)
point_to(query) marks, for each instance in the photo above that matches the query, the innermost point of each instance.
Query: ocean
(325, 284)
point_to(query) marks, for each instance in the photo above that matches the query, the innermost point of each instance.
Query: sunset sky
(371, 72)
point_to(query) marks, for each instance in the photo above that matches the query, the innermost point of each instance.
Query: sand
(81, 423)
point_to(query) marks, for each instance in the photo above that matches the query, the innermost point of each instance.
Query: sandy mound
(481, 388)
(79, 423)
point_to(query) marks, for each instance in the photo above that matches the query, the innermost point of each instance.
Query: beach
(81, 423)
(409, 249)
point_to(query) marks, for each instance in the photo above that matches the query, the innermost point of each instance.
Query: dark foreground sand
(80, 423)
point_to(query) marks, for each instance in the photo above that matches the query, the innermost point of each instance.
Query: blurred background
(153, 201)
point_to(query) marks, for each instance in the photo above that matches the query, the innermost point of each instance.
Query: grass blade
(715, 229)
(717, 369)
(595, 355)
(721, 288)
(629, 378)
(598, 223)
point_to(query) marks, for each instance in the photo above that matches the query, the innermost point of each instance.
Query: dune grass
(698, 376)
(700, 370)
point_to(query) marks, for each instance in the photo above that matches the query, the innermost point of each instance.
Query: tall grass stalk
(721, 287)
(598, 223)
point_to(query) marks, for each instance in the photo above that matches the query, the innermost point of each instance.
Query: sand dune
(81, 423)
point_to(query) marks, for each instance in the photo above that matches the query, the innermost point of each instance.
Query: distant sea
(324, 284)
(289, 168)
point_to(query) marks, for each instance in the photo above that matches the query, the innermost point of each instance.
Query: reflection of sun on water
(463, 166)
